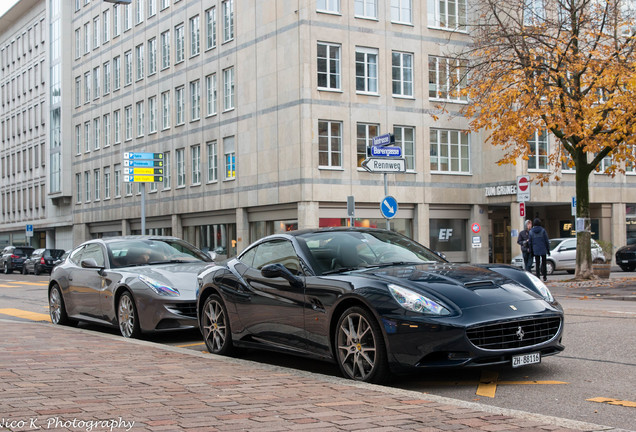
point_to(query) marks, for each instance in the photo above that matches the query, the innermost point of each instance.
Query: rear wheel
(24, 270)
(57, 309)
(549, 266)
(5, 268)
(127, 316)
(360, 348)
(36, 270)
(215, 326)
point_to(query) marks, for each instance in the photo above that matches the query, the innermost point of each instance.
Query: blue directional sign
(383, 140)
(388, 151)
(389, 207)
(143, 163)
(135, 156)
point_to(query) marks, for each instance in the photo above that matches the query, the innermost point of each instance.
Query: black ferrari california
(375, 301)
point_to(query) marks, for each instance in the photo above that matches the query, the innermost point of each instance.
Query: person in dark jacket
(540, 246)
(524, 241)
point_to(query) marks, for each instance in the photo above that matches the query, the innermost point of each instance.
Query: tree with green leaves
(566, 67)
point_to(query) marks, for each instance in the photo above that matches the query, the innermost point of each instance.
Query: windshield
(135, 252)
(334, 251)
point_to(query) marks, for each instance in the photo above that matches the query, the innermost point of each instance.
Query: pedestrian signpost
(143, 168)
(384, 158)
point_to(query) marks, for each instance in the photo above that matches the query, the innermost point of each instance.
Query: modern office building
(263, 112)
(33, 192)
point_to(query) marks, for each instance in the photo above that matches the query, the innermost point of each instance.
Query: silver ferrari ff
(136, 283)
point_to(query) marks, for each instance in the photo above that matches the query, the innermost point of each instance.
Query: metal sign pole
(386, 192)
(143, 208)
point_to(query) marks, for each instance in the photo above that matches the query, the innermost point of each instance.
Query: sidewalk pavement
(621, 286)
(55, 378)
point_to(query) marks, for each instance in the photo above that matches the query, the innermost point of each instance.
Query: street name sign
(383, 140)
(384, 165)
(388, 151)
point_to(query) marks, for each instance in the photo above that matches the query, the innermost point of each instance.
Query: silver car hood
(182, 276)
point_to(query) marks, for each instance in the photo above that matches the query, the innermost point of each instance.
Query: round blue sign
(388, 207)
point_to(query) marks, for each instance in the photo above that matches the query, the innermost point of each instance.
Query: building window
(165, 110)
(78, 45)
(78, 142)
(140, 119)
(97, 177)
(210, 28)
(450, 151)
(228, 20)
(179, 44)
(78, 92)
(195, 152)
(229, 152)
(448, 14)
(165, 49)
(447, 79)
(166, 170)
(212, 162)
(106, 127)
(210, 83)
(180, 105)
(331, 6)
(366, 9)
(87, 87)
(128, 68)
(96, 31)
(127, 17)
(194, 36)
(152, 114)
(87, 186)
(139, 11)
(87, 137)
(534, 12)
(364, 135)
(106, 25)
(116, 29)
(152, 8)
(87, 38)
(116, 73)
(165, 4)
(367, 70)
(96, 84)
(402, 11)
(329, 144)
(180, 161)
(152, 56)
(402, 73)
(195, 101)
(228, 89)
(328, 66)
(106, 78)
(117, 180)
(96, 134)
(139, 51)
(107, 183)
(128, 122)
(117, 126)
(78, 188)
(405, 138)
(538, 157)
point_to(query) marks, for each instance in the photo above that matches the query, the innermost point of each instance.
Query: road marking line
(611, 401)
(488, 384)
(190, 345)
(33, 316)
(19, 284)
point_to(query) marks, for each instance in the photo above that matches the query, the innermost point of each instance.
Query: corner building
(263, 112)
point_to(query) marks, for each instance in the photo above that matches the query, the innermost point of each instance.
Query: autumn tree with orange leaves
(565, 66)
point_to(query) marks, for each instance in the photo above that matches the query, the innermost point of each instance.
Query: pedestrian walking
(524, 241)
(540, 247)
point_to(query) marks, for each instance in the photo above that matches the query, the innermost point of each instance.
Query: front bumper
(166, 313)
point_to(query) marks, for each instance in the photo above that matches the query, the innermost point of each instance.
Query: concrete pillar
(177, 228)
(308, 214)
(80, 233)
(242, 230)
(421, 224)
(619, 232)
(479, 215)
(125, 227)
(50, 239)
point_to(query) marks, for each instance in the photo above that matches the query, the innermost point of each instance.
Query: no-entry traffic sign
(523, 188)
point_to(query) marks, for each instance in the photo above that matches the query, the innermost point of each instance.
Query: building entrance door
(500, 229)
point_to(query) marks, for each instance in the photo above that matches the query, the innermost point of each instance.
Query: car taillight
(15, 256)
(42, 261)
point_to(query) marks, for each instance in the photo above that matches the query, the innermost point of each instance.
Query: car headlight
(415, 302)
(158, 287)
(541, 287)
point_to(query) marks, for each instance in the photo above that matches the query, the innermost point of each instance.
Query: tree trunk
(583, 238)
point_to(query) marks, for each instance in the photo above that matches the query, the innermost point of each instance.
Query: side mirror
(90, 263)
(212, 255)
(278, 270)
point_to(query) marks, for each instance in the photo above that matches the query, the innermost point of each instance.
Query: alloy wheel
(356, 343)
(214, 326)
(127, 316)
(55, 305)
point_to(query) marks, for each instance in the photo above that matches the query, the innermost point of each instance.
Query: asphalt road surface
(593, 380)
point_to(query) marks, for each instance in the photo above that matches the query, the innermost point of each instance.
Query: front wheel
(215, 326)
(127, 316)
(24, 270)
(57, 309)
(6, 268)
(549, 267)
(360, 348)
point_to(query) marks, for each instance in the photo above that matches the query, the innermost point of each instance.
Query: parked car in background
(13, 257)
(41, 260)
(374, 301)
(563, 255)
(626, 256)
(134, 283)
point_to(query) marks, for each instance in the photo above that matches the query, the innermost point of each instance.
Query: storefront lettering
(445, 234)
(501, 190)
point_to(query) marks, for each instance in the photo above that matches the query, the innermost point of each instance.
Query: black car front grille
(514, 334)
(187, 309)
(626, 255)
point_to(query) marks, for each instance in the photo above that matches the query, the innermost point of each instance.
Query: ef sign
(523, 188)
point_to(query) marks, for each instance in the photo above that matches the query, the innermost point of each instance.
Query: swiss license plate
(526, 359)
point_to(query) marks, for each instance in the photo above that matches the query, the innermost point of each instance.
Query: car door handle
(70, 278)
